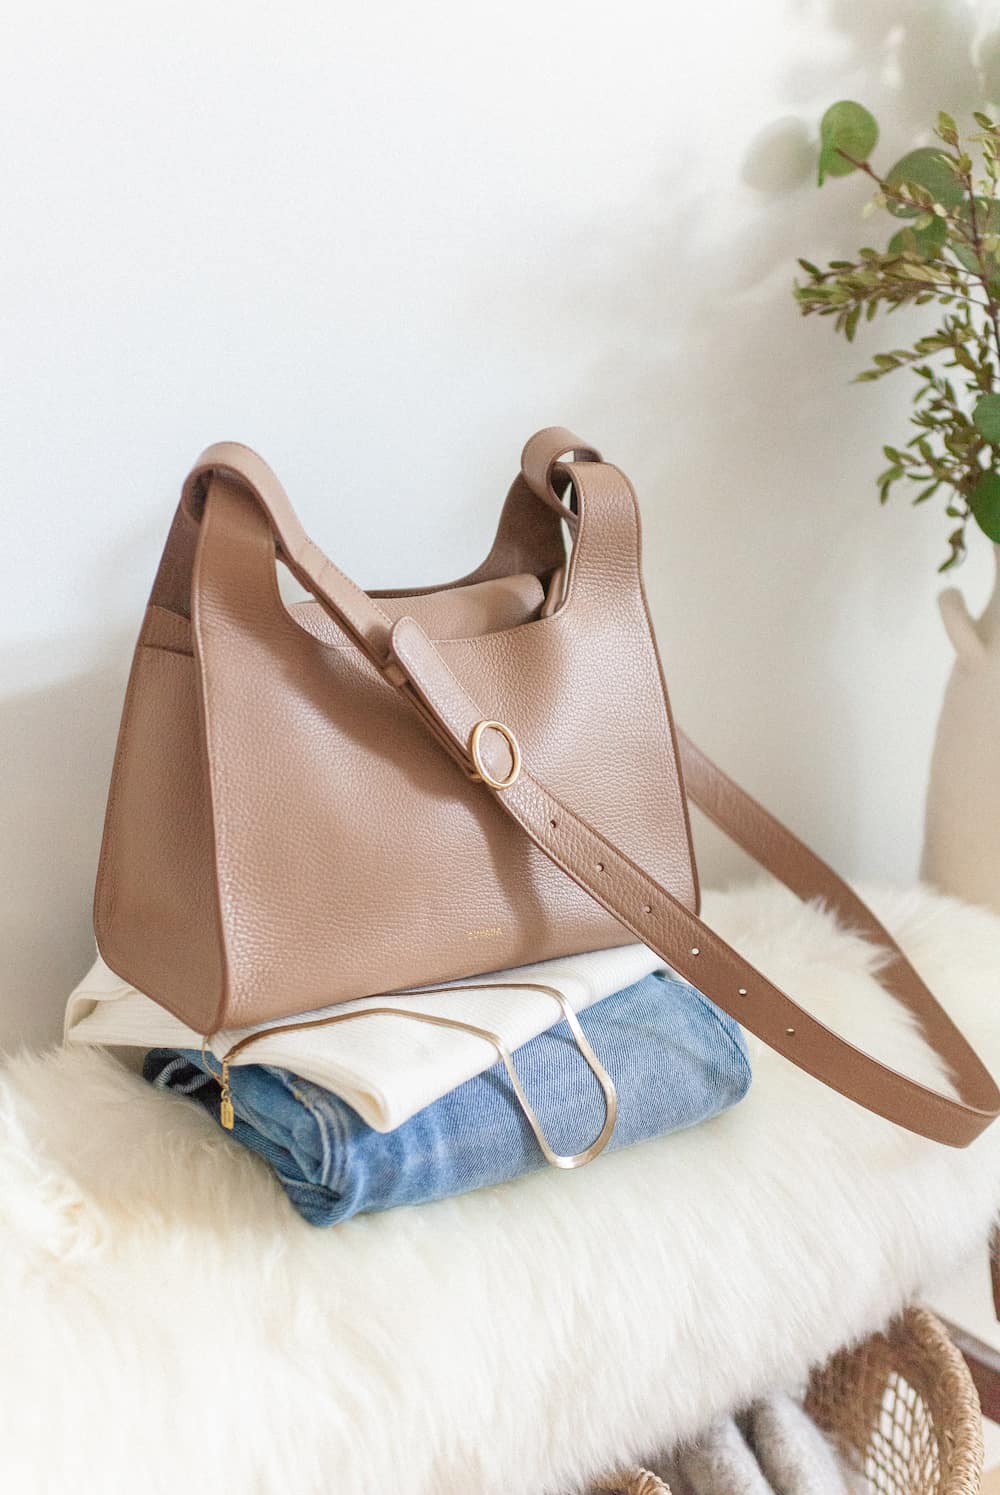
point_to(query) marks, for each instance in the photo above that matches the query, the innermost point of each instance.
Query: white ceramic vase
(962, 835)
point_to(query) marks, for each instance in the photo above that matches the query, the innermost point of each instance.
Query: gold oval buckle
(475, 754)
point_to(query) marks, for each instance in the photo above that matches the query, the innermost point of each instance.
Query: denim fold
(675, 1060)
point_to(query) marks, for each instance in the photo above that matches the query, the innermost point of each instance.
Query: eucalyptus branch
(945, 252)
(964, 170)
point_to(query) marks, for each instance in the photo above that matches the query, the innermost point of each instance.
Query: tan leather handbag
(369, 791)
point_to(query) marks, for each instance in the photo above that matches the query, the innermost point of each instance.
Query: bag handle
(489, 753)
(365, 622)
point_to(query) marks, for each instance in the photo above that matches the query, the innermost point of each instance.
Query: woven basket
(901, 1409)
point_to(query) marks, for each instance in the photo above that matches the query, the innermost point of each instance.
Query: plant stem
(953, 221)
(993, 311)
(974, 238)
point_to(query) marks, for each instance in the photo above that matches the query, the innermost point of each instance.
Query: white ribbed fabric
(387, 1067)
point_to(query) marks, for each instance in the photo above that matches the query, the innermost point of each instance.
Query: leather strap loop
(544, 452)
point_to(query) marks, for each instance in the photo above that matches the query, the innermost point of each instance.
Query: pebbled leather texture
(285, 831)
(341, 853)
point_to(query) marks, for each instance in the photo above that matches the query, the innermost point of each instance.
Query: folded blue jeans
(675, 1060)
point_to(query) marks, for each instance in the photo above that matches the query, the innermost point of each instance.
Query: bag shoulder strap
(687, 944)
(490, 755)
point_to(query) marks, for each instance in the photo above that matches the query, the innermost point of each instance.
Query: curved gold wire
(206, 1039)
(604, 1080)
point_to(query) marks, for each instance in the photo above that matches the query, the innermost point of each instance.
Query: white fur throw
(169, 1323)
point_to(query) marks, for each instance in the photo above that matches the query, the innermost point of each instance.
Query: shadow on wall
(60, 743)
(754, 456)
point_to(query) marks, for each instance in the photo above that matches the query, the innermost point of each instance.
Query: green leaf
(985, 504)
(987, 223)
(849, 127)
(926, 242)
(957, 542)
(927, 168)
(986, 418)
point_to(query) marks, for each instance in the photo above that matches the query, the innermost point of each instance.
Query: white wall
(382, 244)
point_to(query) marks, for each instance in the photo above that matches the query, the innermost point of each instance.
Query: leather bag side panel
(155, 906)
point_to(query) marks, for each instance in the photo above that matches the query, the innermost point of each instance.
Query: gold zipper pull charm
(226, 1113)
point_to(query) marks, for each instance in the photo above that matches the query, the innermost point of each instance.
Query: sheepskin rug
(168, 1323)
